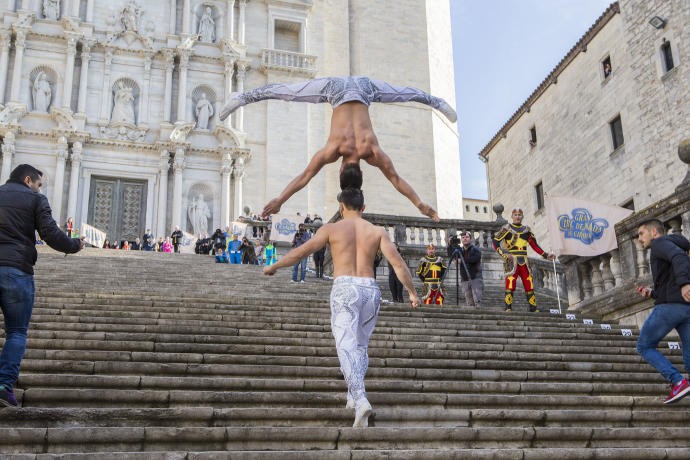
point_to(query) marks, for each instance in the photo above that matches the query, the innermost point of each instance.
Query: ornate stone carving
(129, 17)
(124, 132)
(199, 213)
(42, 92)
(228, 137)
(51, 9)
(203, 111)
(123, 107)
(12, 112)
(180, 133)
(63, 118)
(207, 26)
(70, 25)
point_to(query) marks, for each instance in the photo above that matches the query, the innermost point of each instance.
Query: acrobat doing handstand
(352, 136)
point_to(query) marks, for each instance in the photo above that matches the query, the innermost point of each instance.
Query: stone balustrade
(288, 61)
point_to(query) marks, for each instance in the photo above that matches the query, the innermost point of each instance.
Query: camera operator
(470, 266)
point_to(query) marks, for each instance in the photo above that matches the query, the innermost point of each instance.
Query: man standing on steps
(670, 265)
(177, 238)
(23, 212)
(355, 296)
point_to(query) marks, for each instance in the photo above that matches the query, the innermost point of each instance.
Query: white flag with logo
(284, 226)
(239, 229)
(92, 235)
(580, 227)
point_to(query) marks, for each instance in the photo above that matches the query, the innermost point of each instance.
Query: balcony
(288, 61)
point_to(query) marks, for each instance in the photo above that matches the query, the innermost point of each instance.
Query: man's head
(350, 176)
(234, 237)
(650, 230)
(27, 175)
(517, 216)
(351, 199)
(431, 250)
(466, 238)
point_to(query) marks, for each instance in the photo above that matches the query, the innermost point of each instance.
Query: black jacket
(670, 268)
(473, 261)
(22, 213)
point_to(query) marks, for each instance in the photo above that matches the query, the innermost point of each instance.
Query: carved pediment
(180, 133)
(124, 132)
(228, 137)
(12, 113)
(63, 118)
(70, 24)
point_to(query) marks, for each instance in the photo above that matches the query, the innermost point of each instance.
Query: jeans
(302, 264)
(663, 318)
(17, 301)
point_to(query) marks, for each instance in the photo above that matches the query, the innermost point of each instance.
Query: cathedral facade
(117, 103)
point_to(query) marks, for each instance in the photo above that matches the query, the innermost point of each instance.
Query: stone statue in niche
(199, 214)
(204, 112)
(129, 17)
(207, 26)
(123, 108)
(42, 92)
(51, 9)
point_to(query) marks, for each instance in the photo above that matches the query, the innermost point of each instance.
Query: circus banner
(284, 226)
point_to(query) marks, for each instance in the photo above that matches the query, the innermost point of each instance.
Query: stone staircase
(168, 356)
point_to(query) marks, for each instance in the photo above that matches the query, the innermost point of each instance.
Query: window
(667, 56)
(476, 209)
(606, 67)
(533, 136)
(630, 204)
(485, 210)
(286, 36)
(539, 192)
(616, 132)
(467, 207)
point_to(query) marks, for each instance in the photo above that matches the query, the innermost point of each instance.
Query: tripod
(457, 256)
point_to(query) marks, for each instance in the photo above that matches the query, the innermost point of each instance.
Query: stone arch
(204, 193)
(210, 94)
(122, 83)
(52, 78)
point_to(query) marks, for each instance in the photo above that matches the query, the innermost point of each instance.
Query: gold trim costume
(431, 270)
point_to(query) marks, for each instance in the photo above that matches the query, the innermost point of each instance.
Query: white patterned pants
(338, 90)
(355, 304)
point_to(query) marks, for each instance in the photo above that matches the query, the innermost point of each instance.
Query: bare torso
(354, 243)
(352, 135)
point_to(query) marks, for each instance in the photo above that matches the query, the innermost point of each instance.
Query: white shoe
(445, 109)
(350, 403)
(301, 282)
(233, 104)
(362, 415)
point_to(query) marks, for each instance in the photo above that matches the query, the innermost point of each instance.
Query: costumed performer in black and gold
(511, 243)
(431, 270)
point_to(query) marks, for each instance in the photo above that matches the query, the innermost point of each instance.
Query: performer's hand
(685, 292)
(551, 256)
(269, 270)
(647, 293)
(414, 299)
(428, 211)
(272, 207)
(81, 242)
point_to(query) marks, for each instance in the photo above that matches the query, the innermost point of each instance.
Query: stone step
(130, 439)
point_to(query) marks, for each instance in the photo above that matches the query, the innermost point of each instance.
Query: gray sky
(503, 49)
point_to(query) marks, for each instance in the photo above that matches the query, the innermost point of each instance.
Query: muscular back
(354, 243)
(352, 134)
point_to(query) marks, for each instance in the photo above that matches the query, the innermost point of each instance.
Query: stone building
(606, 123)
(117, 102)
(477, 209)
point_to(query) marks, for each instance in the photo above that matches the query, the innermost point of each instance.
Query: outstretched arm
(328, 154)
(385, 164)
(401, 270)
(316, 242)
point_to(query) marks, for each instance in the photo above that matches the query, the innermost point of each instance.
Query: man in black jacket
(671, 293)
(470, 266)
(23, 211)
(177, 238)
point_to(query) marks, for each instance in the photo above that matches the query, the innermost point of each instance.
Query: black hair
(20, 172)
(351, 176)
(352, 198)
(654, 223)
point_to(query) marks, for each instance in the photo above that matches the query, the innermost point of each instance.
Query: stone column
(84, 76)
(5, 39)
(607, 273)
(230, 17)
(144, 106)
(241, 26)
(238, 173)
(226, 171)
(20, 43)
(106, 93)
(163, 169)
(597, 280)
(228, 72)
(59, 178)
(167, 98)
(7, 154)
(615, 264)
(75, 9)
(641, 261)
(241, 74)
(74, 180)
(69, 69)
(182, 86)
(186, 23)
(585, 273)
(178, 168)
(89, 10)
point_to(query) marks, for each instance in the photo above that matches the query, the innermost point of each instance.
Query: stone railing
(288, 61)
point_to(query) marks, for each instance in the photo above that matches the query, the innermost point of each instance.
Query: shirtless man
(352, 136)
(355, 296)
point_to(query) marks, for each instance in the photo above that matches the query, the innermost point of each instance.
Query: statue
(204, 111)
(123, 109)
(42, 93)
(207, 26)
(199, 214)
(51, 9)
(129, 16)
